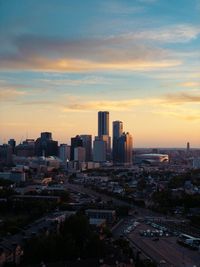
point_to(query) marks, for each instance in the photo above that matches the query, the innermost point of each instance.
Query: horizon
(62, 62)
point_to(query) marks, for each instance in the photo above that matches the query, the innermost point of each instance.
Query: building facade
(117, 132)
(103, 123)
(75, 142)
(87, 144)
(125, 148)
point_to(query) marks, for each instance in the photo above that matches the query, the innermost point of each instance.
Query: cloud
(188, 115)
(171, 34)
(191, 84)
(69, 65)
(182, 98)
(10, 94)
(88, 80)
(44, 103)
(110, 53)
(179, 105)
(97, 105)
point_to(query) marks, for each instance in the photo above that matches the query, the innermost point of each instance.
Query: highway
(165, 250)
(81, 189)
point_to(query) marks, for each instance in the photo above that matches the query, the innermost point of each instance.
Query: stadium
(152, 158)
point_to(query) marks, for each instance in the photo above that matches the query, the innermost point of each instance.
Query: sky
(61, 61)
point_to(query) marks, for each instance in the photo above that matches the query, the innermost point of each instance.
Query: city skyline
(62, 62)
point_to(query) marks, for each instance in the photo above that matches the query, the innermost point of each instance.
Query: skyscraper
(87, 144)
(75, 142)
(188, 148)
(117, 129)
(103, 131)
(79, 154)
(103, 123)
(64, 152)
(99, 150)
(125, 147)
(46, 136)
(46, 146)
(117, 132)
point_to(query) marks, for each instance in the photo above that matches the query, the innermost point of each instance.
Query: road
(165, 249)
(81, 189)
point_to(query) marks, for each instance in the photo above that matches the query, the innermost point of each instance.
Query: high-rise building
(125, 147)
(46, 136)
(87, 144)
(107, 139)
(79, 154)
(103, 123)
(117, 129)
(103, 131)
(5, 155)
(117, 132)
(75, 142)
(12, 143)
(45, 146)
(188, 148)
(99, 150)
(64, 152)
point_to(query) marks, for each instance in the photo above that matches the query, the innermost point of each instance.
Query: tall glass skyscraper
(103, 131)
(103, 123)
(117, 132)
(125, 147)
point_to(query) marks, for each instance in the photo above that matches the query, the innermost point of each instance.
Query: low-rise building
(108, 215)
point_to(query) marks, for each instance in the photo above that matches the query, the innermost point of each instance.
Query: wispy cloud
(88, 80)
(97, 105)
(179, 105)
(110, 53)
(183, 98)
(44, 103)
(171, 34)
(10, 94)
(191, 84)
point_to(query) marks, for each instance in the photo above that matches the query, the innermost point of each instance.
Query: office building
(188, 148)
(117, 132)
(103, 131)
(125, 147)
(75, 142)
(46, 136)
(5, 155)
(45, 146)
(79, 154)
(103, 123)
(26, 149)
(107, 140)
(64, 152)
(99, 150)
(12, 143)
(87, 144)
